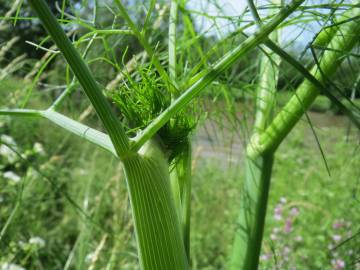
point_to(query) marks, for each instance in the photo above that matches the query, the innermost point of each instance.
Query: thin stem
(148, 15)
(180, 180)
(63, 95)
(254, 12)
(85, 77)
(70, 88)
(186, 196)
(189, 30)
(104, 32)
(92, 135)
(20, 112)
(224, 63)
(172, 42)
(140, 36)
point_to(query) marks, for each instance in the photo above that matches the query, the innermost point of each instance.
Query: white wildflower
(31, 173)
(39, 149)
(22, 244)
(286, 250)
(83, 172)
(8, 153)
(294, 211)
(276, 230)
(265, 257)
(338, 264)
(37, 241)
(12, 176)
(8, 140)
(89, 257)
(11, 266)
(298, 238)
(336, 237)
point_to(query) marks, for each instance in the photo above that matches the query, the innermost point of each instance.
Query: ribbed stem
(158, 233)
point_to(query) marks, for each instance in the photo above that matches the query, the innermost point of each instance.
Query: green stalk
(181, 173)
(343, 41)
(254, 197)
(172, 45)
(224, 63)
(142, 39)
(181, 188)
(186, 195)
(322, 39)
(250, 226)
(189, 30)
(157, 226)
(158, 230)
(85, 77)
(92, 135)
(156, 222)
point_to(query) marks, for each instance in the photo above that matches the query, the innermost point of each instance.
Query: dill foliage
(141, 97)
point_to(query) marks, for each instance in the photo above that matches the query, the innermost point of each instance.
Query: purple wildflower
(298, 238)
(273, 237)
(278, 213)
(294, 211)
(338, 264)
(288, 225)
(336, 237)
(265, 257)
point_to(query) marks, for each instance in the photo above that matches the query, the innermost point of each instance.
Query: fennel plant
(152, 139)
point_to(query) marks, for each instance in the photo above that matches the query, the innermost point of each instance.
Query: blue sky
(235, 8)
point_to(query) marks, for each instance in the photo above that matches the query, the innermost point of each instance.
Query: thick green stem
(85, 77)
(250, 226)
(265, 98)
(254, 197)
(343, 41)
(181, 189)
(156, 223)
